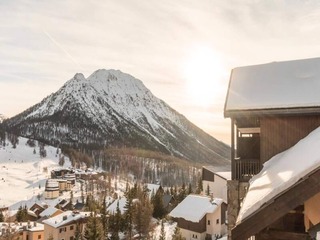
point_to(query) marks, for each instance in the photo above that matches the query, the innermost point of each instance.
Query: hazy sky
(183, 51)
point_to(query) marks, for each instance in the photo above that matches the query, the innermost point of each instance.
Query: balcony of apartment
(246, 161)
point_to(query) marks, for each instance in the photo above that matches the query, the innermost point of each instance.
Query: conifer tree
(71, 200)
(208, 190)
(189, 189)
(77, 233)
(1, 217)
(142, 216)
(115, 223)
(104, 217)
(177, 234)
(22, 214)
(162, 232)
(199, 186)
(81, 189)
(94, 229)
(158, 207)
(128, 215)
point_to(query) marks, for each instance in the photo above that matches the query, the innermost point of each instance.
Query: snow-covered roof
(153, 188)
(194, 207)
(48, 212)
(226, 174)
(275, 85)
(16, 227)
(281, 172)
(65, 218)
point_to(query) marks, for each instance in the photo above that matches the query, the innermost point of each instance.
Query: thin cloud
(63, 49)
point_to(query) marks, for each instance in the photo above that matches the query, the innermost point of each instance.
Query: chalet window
(71, 227)
(217, 221)
(71, 238)
(208, 222)
(39, 236)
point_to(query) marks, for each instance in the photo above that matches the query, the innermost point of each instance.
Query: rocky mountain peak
(112, 108)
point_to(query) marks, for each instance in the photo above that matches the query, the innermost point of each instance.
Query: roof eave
(278, 206)
(293, 111)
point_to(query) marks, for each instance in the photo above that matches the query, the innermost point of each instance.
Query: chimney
(34, 224)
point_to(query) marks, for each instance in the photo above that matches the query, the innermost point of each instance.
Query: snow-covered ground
(23, 173)
(169, 228)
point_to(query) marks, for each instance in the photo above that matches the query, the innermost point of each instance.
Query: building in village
(200, 216)
(51, 189)
(275, 115)
(22, 231)
(65, 225)
(214, 182)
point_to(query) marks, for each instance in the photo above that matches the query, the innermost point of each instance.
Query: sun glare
(203, 72)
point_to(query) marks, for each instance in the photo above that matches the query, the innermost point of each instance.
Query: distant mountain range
(113, 109)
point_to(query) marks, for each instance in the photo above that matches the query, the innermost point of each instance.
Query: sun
(203, 72)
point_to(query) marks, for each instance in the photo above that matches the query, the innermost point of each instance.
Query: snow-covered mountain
(112, 108)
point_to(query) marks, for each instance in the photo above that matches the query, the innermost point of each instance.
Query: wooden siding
(280, 133)
(192, 226)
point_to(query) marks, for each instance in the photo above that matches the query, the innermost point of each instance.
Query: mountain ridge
(112, 108)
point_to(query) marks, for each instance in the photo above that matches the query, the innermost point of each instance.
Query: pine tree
(77, 232)
(158, 207)
(177, 234)
(128, 215)
(162, 232)
(81, 189)
(104, 217)
(94, 229)
(189, 189)
(142, 215)
(71, 200)
(115, 223)
(1, 217)
(208, 190)
(22, 214)
(19, 214)
(199, 186)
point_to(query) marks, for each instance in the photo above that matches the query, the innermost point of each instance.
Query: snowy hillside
(111, 108)
(23, 172)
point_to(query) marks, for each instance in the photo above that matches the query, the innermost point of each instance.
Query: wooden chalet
(272, 107)
(200, 217)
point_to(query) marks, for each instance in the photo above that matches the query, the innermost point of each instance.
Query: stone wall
(236, 192)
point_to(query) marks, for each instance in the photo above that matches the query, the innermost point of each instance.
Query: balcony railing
(246, 168)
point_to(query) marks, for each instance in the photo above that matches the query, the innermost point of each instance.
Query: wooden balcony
(244, 169)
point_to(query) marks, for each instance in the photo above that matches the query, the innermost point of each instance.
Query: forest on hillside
(139, 165)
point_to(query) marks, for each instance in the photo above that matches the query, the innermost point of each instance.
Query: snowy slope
(22, 171)
(111, 108)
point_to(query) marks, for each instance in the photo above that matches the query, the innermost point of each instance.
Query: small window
(71, 238)
(39, 236)
(71, 227)
(208, 222)
(217, 221)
